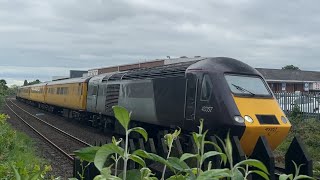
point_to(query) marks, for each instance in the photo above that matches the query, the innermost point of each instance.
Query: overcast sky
(41, 38)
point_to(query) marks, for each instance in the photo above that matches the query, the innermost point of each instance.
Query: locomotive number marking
(272, 131)
(206, 109)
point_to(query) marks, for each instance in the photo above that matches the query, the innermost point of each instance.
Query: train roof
(216, 64)
(224, 65)
(170, 70)
(69, 81)
(33, 85)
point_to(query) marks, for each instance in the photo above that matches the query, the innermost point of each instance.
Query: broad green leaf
(177, 164)
(87, 153)
(210, 154)
(237, 175)
(186, 156)
(153, 157)
(122, 115)
(137, 159)
(303, 177)
(177, 177)
(72, 179)
(133, 174)
(260, 173)
(253, 162)
(106, 175)
(214, 174)
(141, 131)
(104, 152)
(285, 177)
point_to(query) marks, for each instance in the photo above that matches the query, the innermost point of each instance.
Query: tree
(26, 83)
(3, 87)
(291, 67)
(12, 90)
(34, 82)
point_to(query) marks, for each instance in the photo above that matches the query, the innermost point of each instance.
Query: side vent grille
(112, 97)
(267, 119)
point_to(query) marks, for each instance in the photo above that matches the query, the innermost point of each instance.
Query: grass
(308, 131)
(17, 152)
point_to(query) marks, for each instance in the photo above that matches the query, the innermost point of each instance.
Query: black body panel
(169, 95)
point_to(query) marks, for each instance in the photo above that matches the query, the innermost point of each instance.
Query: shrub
(308, 131)
(17, 155)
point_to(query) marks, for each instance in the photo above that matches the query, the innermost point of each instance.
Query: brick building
(291, 80)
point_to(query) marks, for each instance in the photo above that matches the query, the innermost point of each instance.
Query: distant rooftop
(289, 75)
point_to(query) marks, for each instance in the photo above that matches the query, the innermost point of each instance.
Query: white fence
(308, 103)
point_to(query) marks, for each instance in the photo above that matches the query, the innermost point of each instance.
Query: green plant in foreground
(101, 157)
(17, 155)
(296, 176)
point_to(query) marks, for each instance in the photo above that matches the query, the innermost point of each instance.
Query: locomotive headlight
(239, 119)
(248, 119)
(284, 119)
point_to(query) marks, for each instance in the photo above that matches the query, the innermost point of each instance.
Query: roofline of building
(288, 70)
(291, 81)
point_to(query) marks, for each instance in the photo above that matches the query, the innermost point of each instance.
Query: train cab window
(206, 88)
(247, 85)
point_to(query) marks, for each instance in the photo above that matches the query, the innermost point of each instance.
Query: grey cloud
(89, 34)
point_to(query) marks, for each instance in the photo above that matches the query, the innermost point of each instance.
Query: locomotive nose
(263, 117)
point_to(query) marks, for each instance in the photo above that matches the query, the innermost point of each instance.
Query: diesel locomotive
(226, 93)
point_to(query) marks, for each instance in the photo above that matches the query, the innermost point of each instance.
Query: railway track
(62, 141)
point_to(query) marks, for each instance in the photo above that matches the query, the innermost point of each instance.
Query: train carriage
(23, 92)
(33, 93)
(69, 94)
(38, 92)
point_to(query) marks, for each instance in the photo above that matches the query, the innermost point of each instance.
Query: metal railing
(308, 103)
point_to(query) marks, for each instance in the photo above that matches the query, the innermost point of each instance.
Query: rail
(50, 125)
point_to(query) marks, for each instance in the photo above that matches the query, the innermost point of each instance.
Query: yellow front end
(275, 133)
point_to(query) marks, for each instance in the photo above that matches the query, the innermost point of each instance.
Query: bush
(308, 131)
(17, 155)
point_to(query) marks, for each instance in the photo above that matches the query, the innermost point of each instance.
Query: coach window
(206, 88)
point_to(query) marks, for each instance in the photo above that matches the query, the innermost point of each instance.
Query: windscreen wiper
(243, 89)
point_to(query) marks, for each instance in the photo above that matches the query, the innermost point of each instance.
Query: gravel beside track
(61, 165)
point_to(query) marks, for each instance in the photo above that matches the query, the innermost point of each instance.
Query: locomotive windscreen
(247, 85)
